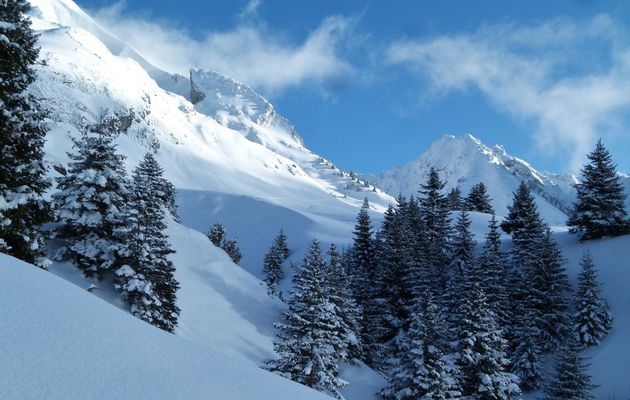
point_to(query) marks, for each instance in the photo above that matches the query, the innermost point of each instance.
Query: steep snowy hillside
(465, 161)
(230, 143)
(60, 342)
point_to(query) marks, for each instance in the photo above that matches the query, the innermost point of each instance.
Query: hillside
(60, 342)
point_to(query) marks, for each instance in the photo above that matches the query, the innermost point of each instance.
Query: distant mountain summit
(464, 161)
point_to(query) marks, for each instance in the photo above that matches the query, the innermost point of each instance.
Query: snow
(465, 161)
(60, 342)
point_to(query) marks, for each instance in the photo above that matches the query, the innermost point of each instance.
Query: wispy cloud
(555, 74)
(251, 53)
(251, 8)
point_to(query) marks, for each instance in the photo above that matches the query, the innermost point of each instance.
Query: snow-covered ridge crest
(464, 161)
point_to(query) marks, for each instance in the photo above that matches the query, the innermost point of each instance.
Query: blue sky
(370, 84)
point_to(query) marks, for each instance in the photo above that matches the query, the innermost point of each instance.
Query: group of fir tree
(107, 224)
(441, 319)
(218, 236)
(112, 226)
(320, 328)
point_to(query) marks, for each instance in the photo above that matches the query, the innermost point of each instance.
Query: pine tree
(365, 286)
(89, 205)
(478, 199)
(600, 209)
(483, 360)
(493, 270)
(437, 229)
(454, 199)
(461, 270)
(146, 280)
(337, 287)
(423, 371)
(23, 209)
(391, 268)
(570, 380)
(527, 359)
(592, 320)
(307, 338)
(232, 249)
(275, 257)
(217, 234)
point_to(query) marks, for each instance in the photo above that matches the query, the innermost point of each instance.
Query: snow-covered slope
(232, 142)
(60, 342)
(465, 161)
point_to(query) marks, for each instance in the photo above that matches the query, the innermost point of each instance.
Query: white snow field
(60, 342)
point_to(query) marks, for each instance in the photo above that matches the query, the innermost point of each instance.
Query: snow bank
(60, 342)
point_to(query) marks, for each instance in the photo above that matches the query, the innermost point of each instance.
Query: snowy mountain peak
(465, 160)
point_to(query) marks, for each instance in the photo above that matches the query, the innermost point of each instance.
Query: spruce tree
(600, 209)
(454, 199)
(592, 319)
(461, 270)
(307, 340)
(483, 360)
(146, 280)
(437, 228)
(493, 270)
(217, 234)
(23, 209)
(570, 380)
(89, 205)
(423, 371)
(337, 288)
(272, 265)
(365, 286)
(232, 249)
(478, 199)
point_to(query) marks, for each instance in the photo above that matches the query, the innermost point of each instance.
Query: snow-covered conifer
(592, 320)
(454, 199)
(479, 200)
(89, 204)
(307, 340)
(423, 371)
(483, 360)
(217, 234)
(570, 380)
(23, 208)
(272, 265)
(337, 288)
(600, 209)
(232, 249)
(146, 279)
(437, 228)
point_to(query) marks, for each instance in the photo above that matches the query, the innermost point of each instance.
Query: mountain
(465, 161)
(231, 143)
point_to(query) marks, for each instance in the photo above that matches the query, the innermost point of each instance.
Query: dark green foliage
(275, 257)
(23, 210)
(570, 380)
(454, 199)
(217, 234)
(600, 209)
(478, 199)
(437, 229)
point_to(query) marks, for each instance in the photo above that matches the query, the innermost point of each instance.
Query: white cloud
(251, 8)
(554, 74)
(249, 53)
